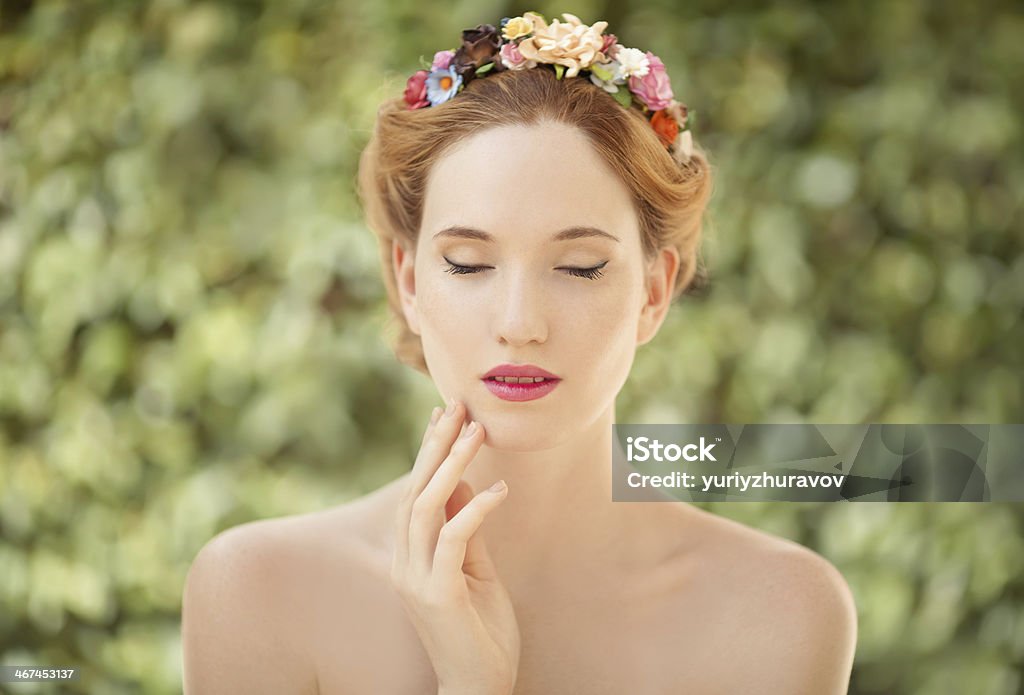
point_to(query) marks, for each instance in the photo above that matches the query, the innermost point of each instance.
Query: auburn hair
(670, 198)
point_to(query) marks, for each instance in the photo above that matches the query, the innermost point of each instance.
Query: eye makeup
(589, 273)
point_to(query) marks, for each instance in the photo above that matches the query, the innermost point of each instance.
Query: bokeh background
(192, 321)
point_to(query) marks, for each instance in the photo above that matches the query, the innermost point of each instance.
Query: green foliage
(191, 313)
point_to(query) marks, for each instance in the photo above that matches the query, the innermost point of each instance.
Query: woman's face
(529, 253)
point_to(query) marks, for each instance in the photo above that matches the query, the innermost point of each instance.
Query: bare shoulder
(236, 629)
(791, 613)
(255, 595)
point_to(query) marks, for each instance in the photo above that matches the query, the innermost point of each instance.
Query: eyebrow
(567, 234)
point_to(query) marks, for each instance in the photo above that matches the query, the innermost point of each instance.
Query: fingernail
(435, 415)
(471, 430)
(497, 487)
(451, 406)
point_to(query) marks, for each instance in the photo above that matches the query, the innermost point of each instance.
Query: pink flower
(653, 89)
(416, 90)
(442, 59)
(512, 59)
(609, 45)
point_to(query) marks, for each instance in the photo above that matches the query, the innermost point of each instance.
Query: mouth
(517, 372)
(520, 388)
(521, 379)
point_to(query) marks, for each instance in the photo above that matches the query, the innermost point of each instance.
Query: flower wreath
(574, 49)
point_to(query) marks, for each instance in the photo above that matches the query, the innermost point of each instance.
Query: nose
(520, 312)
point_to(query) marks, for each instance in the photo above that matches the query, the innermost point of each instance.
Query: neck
(558, 515)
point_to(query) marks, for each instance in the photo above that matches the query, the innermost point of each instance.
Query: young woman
(535, 226)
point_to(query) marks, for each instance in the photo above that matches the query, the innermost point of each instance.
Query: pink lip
(520, 392)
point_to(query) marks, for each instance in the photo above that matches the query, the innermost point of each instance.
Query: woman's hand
(442, 570)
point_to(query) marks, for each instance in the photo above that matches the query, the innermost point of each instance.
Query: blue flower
(442, 85)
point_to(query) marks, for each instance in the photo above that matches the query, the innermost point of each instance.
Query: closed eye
(456, 269)
(589, 273)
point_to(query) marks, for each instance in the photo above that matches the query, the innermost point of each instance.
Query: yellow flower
(571, 43)
(514, 28)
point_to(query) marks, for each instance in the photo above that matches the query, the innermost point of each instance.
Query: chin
(513, 437)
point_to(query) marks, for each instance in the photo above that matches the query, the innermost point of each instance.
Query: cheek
(607, 319)
(445, 306)
(452, 327)
(615, 306)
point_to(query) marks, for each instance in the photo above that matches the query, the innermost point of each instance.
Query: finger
(460, 549)
(401, 522)
(436, 446)
(435, 415)
(428, 511)
(436, 442)
(477, 562)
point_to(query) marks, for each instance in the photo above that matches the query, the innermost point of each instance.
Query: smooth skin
(432, 583)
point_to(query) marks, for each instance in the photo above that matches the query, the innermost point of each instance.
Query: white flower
(608, 76)
(684, 147)
(634, 62)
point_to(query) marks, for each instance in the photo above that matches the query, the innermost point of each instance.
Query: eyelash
(589, 273)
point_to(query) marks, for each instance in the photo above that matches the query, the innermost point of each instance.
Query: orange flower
(665, 126)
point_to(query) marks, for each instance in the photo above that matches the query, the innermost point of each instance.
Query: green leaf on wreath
(623, 97)
(484, 69)
(559, 71)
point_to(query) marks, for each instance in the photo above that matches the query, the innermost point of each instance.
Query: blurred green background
(191, 314)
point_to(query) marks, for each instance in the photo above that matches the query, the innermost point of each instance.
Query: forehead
(527, 179)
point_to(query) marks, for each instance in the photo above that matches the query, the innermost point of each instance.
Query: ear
(403, 263)
(659, 284)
